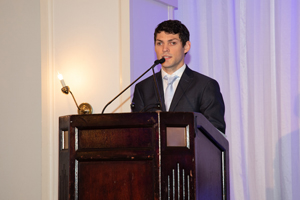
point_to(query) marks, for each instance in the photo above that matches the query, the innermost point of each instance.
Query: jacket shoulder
(148, 80)
(203, 79)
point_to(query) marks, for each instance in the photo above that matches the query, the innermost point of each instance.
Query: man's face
(170, 47)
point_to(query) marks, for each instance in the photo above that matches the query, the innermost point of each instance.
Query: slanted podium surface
(161, 155)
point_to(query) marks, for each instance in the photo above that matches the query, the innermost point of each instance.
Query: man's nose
(165, 48)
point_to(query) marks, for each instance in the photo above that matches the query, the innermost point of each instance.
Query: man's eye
(158, 43)
(172, 43)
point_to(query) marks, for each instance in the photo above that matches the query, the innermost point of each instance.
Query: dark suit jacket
(195, 93)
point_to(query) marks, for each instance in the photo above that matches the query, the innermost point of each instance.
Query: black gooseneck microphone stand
(155, 81)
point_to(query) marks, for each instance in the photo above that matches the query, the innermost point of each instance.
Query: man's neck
(171, 71)
(178, 72)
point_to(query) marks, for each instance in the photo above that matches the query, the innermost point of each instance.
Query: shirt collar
(178, 72)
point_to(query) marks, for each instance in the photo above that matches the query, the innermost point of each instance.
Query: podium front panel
(128, 156)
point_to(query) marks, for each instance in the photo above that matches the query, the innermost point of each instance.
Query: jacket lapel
(184, 83)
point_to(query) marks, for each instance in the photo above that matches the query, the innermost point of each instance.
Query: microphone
(159, 61)
(155, 63)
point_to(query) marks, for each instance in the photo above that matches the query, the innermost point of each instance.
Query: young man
(188, 91)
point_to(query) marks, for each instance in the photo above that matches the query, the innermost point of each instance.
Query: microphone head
(160, 61)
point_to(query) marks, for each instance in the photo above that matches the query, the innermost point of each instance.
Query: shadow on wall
(286, 166)
(187, 58)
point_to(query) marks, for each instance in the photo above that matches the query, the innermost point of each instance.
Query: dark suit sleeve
(137, 101)
(212, 105)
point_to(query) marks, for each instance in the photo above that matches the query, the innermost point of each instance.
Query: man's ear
(187, 46)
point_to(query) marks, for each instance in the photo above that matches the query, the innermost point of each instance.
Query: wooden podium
(157, 155)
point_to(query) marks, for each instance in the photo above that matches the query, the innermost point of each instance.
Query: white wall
(88, 43)
(20, 89)
(87, 37)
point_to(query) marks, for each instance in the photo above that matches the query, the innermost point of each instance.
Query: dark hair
(173, 27)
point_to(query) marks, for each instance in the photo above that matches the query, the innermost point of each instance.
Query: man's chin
(164, 65)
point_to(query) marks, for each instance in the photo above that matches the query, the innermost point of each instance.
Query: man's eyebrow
(173, 39)
(168, 40)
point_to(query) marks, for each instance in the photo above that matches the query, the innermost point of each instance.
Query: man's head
(173, 27)
(172, 43)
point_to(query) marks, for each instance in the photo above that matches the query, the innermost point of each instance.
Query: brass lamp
(84, 108)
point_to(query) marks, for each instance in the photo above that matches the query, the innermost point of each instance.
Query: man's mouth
(167, 57)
